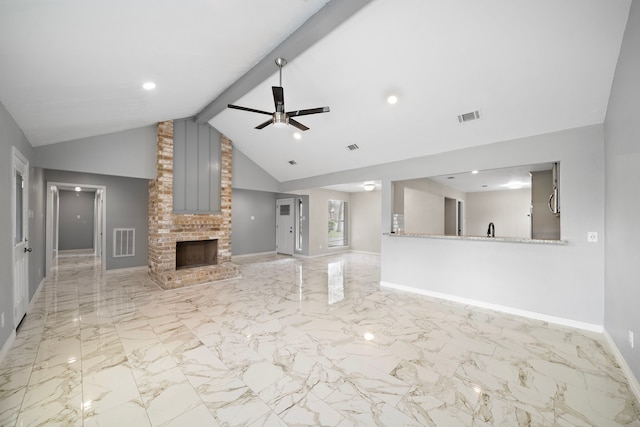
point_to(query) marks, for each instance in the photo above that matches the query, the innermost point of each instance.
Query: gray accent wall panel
(622, 175)
(196, 167)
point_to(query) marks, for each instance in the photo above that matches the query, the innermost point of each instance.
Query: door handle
(28, 249)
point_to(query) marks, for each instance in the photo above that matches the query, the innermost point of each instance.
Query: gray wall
(11, 135)
(126, 201)
(75, 224)
(246, 174)
(250, 236)
(130, 153)
(36, 229)
(521, 276)
(622, 150)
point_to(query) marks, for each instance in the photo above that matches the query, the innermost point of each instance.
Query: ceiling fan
(280, 118)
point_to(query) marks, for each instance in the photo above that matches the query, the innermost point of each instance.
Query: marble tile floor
(295, 342)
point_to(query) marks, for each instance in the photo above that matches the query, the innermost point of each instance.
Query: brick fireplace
(168, 231)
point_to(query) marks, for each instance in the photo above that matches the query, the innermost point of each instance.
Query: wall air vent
(353, 147)
(124, 242)
(467, 117)
(292, 162)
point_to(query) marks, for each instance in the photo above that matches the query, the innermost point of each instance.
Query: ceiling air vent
(467, 117)
(292, 162)
(353, 147)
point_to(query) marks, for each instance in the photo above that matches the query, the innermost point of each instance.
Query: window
(337, 223)
(299, 220)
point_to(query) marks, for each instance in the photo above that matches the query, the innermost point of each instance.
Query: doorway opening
(76, 222)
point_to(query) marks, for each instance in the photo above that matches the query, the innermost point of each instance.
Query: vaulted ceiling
(74, 68)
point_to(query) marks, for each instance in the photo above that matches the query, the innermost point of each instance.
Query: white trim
(365, 252)
(137, 269)
(36, 294)
(634, 384)
(510, 310)
(7, 345)
(253, 254)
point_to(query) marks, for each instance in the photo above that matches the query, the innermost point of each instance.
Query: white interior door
(284, 226)
(21, 250)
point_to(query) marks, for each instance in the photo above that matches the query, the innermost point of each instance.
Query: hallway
(294, 342)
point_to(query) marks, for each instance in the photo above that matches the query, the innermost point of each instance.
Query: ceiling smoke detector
(468, 117)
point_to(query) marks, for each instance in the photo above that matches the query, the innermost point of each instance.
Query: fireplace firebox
(198, 253)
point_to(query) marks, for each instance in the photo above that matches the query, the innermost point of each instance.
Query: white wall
(622, 150)
(564, 281)
(366, 215)
(507, 209)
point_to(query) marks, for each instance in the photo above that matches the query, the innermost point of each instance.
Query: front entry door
(21, 249)
(284, 226)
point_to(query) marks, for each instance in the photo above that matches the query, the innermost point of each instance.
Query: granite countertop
(478, 238)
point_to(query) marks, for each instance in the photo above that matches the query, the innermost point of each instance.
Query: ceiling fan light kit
(281, 118)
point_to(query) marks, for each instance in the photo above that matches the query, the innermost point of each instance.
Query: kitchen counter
(478, 238)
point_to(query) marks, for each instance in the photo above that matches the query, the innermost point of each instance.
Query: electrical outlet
(592, 237)
(631, 338)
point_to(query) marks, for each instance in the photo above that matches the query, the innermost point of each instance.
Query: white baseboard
(502, 308)
(36, 294)
(7, 345)
(365, 252)
(139, 269)
(252, 255)
(634, 384)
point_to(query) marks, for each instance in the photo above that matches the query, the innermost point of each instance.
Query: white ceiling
(74, 68)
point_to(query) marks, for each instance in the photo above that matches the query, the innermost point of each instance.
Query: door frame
(19, 161)
(51, 205)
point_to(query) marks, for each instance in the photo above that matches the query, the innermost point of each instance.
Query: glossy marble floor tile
(294, 342)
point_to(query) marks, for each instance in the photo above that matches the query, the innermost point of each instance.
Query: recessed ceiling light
(514, 185)
(78, 189)
(368, 336)
(392, 99)
(474, 172)
(297, 135)
(149, 86)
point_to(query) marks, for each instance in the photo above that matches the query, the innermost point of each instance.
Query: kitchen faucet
(491, 232)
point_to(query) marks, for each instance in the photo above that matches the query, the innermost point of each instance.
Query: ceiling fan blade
(253, 110)
(278, 98)
(265, 124)
(308, 111)
(297, 124)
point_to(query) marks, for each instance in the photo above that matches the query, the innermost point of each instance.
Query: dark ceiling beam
(312, 30)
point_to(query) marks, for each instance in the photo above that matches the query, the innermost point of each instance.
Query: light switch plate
(592, 237)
